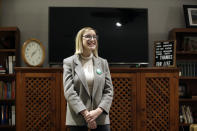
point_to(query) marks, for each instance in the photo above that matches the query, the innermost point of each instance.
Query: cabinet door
(159, 102)
(123, 109)
(37, 102)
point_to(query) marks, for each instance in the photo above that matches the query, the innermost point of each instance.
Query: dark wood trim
(143, 70)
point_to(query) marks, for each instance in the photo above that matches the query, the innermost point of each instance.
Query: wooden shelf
(186, 52)
(187, 78)
(188, 99)
(184, 30)
(10, 36)
(7, 100)
(8, 29)
(7, 50)
(7, 127)
(7, 75)
(184, 56)
(184, 124)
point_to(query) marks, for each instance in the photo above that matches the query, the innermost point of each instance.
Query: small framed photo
(183, 90)
(190, 13)
(190, 43)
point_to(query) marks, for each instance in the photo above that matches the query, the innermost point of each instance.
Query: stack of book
(186, 114)
(2, 70)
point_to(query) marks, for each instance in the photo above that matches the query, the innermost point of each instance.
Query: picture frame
(190, 14)
(190, 43)
(183, 91)
(164, 53)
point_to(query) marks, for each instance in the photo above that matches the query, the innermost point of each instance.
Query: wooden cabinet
(144, 99)
(186, 59)
(9, 44)
(38, 99)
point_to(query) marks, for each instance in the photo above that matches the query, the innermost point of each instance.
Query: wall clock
(33, 52)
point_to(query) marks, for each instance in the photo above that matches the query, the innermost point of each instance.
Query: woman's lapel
(79, 71)
(97, 67)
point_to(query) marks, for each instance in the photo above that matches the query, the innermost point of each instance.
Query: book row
(7, 114)
(7, 90)
(7, 64)
(188, 68)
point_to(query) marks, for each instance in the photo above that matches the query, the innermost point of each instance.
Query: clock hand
(33, 53)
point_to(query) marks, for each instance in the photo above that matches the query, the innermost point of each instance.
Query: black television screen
(123, 32)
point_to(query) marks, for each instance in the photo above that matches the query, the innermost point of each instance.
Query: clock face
(33, 53)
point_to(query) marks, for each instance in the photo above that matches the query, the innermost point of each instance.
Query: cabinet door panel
(123, 109)
(159, 104)
(38, 102)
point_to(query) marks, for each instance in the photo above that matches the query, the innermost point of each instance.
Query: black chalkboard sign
(165, 53)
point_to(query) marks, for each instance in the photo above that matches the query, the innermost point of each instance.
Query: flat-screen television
(123, 32)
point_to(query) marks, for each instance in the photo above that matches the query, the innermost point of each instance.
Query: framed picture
(190, 13)
(183, 90)
(190, 43)
(165, 53)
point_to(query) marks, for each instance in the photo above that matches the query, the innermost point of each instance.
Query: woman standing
(88, 87)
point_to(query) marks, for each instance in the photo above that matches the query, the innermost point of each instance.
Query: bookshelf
(186, 61)
(9, 46)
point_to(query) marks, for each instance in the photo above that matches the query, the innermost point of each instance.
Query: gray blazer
(77, 93)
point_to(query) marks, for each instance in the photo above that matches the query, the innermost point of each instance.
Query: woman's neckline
(87, 58)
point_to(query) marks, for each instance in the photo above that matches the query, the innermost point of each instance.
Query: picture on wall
(190, 13)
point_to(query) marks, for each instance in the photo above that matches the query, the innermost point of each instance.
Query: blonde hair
(79, 41)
